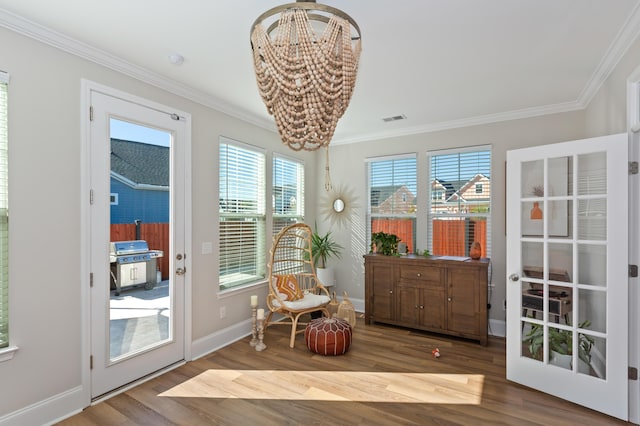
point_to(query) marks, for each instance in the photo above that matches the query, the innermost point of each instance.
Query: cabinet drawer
(426, 274)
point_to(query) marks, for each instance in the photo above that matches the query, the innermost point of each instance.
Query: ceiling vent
(394, 118)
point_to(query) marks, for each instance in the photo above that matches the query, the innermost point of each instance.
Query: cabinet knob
(421, 306)
(419, 274)
(390, 291)
(449, 299)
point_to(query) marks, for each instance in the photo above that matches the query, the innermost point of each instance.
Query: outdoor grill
(132, 264)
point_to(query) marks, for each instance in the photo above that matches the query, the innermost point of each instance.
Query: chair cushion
(308, 300)
(287, 286)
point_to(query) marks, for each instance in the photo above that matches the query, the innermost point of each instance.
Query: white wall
(45, 234)
(348, 168)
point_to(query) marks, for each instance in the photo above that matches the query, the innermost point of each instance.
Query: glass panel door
(567, 284)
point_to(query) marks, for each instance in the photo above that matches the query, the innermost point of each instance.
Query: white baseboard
(220, 339)
(497, 328)
(57, 407)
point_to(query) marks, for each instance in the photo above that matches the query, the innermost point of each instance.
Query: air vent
(394, 118)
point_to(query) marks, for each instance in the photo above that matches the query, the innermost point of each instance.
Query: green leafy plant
(426, 253)
(560, 341)
(324, 247)
(384, 243)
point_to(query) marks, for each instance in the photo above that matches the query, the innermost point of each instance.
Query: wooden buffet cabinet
(443, 295)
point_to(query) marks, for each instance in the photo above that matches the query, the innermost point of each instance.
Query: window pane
(287, 193)
(460, 202)
(242, 214)
(4, 219)
(392, 198)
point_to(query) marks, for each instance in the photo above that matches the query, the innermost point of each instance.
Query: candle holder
(260, 346)
(254, 334)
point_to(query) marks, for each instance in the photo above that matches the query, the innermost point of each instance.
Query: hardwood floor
(388, 377)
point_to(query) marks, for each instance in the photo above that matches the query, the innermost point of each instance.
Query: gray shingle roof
(142, 163)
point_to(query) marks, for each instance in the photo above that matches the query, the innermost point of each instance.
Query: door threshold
(137, 382)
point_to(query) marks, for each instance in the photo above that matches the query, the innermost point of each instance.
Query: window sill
(7, 353)
(241, 289)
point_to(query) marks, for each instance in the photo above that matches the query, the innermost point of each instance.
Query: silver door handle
(514, 277)
(181, 271)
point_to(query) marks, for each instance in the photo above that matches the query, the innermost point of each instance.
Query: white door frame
(633, 128)
(85, 241)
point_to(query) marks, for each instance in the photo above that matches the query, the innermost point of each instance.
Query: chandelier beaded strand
(306, 80)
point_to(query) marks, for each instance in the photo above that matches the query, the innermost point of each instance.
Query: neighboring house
(392, 199)
(139, 182)
(461, 196)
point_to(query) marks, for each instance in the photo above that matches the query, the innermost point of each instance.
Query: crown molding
(67, 44)
(621, 43)
(466, 122)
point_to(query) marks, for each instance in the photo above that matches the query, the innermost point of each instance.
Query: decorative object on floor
(338, 205)
(347, 311)
(328, 336)
(476, 251)
(333, 305)
(291, 255)
(306, 77)
(436, 353)
(260, 346)
(254, 329)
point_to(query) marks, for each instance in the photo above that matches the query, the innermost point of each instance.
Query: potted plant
(560, 343)
(384, 243)
(324, 247)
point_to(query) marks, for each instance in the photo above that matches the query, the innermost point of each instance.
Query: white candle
(260, 314)
(254, 301)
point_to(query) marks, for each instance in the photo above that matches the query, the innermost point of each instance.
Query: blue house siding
(149, 206)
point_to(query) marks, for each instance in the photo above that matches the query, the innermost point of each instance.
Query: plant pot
(560, 360)
(326, 276)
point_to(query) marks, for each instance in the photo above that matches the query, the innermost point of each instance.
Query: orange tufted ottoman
(328, 336)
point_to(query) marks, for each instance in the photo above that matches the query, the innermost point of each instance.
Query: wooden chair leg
(294, 328)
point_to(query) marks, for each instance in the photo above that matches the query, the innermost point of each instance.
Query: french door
(138, 187)
(567, 271)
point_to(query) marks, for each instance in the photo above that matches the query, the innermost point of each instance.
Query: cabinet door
(433, 313)
(382, 279)
(409, 304)
(462, 300)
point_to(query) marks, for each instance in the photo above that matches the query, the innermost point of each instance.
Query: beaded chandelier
(306, 76)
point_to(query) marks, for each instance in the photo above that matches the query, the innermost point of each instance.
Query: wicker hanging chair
(294, 288)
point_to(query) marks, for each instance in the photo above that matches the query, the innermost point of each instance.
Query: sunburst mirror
(338, 204)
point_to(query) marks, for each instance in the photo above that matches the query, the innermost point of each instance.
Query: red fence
(449, 236)
(402, 228)
(155, 234)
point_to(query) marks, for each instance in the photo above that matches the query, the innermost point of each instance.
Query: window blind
(460, 201)
(4, 216)
(392, 197)
(242, 214)
(287, 192)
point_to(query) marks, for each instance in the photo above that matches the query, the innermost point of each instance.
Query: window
(461, 213)
(287, 192)
(392, 197)
(242, 214)
(4, 216)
